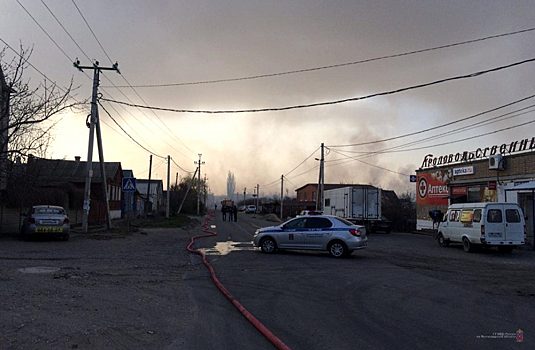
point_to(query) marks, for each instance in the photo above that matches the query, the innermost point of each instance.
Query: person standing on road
(235, 213)
(224, 212)
(215, 206)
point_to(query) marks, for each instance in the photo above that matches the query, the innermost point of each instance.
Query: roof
(333, 186)
(55, 171)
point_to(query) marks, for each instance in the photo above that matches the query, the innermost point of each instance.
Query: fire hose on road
(253, 320)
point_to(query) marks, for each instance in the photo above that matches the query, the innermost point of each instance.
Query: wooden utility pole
(147, 201)
(94, 122)
(168, 187)
(199, 184)
(282, 195)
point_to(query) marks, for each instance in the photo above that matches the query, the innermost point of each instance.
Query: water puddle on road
(223, 248)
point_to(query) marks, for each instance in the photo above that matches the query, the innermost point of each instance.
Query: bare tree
(23, 131)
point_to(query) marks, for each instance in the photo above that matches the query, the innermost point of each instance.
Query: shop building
(500, 173)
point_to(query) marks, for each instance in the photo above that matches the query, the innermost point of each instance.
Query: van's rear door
(514, 224)
(494, 223)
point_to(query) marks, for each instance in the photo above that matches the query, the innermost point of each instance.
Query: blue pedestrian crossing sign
(413, 178)
(129, 184)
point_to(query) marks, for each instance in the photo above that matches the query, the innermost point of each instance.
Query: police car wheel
(338, 249)
(268, 245)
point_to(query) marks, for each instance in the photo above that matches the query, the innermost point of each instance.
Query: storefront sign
(432, 188)
(456, 191)
(480, 153)
(491, 185)
(467, 170)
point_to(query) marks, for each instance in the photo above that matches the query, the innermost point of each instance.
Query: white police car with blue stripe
(313, 232)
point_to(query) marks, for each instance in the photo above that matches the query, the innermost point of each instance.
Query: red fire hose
(265, 332)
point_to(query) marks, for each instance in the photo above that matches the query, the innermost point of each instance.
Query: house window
(313, 195)
(327, 202)
(305, 196)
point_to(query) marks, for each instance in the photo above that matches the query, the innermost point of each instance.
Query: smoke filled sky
(176, 42)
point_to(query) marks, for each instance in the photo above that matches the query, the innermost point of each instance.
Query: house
(156, 201)
(68, 177)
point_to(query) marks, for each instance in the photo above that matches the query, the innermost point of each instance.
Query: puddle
(223, 248)
(39, 269)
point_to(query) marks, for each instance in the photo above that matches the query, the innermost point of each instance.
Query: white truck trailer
(359, 204)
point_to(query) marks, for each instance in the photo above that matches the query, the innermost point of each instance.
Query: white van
(483, 224)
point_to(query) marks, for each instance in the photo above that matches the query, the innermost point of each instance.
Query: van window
(477, 215)
(467, 215)
(454, 215)
(512, 215)
(494, 215)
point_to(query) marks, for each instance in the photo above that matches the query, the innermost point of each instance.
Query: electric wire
(369, 164)
(81, 14)
(489, 121)
(135, 91)
(334, 65)
(317, 104)
(435, 127)
(189, 172)
(59, 22)
(130, 136)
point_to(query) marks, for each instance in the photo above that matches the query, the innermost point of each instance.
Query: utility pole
(187, 191)
(321, 181)
(94, 121)
(199, 184)
(204, 187)
(322, 167)
(244, 192)
(147, 201)
(176, 180)
(282, 194)
(257, 197)
(168, 187)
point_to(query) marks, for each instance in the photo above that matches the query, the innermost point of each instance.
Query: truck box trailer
(359, 204)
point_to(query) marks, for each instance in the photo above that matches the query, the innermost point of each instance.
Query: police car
(313, 232)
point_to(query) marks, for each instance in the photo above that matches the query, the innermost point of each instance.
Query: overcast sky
(171, 42)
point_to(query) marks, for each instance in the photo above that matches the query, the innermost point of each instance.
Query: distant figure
(224, 212)
(215, 206)
(235, 213)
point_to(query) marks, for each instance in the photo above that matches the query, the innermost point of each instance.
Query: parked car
(242, 208)
(310, 212)
(45, 220)
(484, 225)
(314, 232)
(250, 209)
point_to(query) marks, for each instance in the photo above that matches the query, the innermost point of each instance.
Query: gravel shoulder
(97, 291)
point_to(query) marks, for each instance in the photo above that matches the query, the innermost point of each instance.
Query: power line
(190, 172)
(471, 75)
(135, 91)
(334, 65)
(454, 131)
(372, 165)
(307, 158)
(80, 12)
(436, 127)
(135, 141)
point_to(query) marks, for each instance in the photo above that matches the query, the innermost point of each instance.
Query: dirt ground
(97, 291)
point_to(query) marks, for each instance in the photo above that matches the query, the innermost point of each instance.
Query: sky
(176, 42)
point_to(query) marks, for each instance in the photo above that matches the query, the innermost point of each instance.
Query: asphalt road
(145, 291)
(403, 292)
